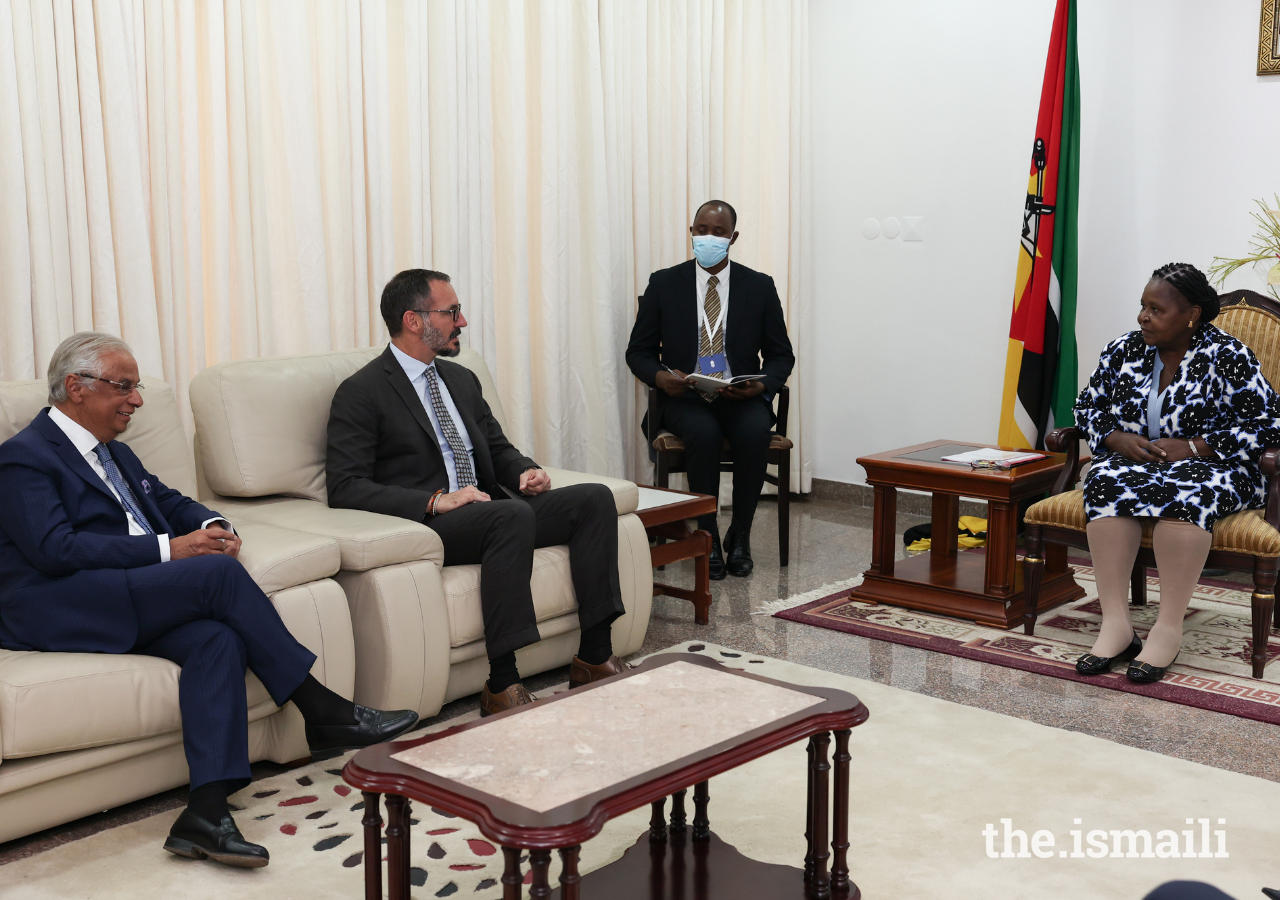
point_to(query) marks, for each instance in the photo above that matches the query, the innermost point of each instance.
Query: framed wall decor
(1269, 40)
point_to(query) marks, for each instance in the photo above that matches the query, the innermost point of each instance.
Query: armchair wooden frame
(667, 460)
(1264, 568)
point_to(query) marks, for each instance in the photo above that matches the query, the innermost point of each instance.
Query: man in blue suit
(98, 556)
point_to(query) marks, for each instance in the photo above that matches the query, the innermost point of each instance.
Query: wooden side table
(665, 514)
(985, 588)
(672, 723)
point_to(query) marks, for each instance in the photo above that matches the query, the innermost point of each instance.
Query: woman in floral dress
(1177, 415)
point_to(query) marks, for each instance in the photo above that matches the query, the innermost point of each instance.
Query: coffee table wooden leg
(540, 863)
(820, 885)
(658, 822)
(701, 825)
(808, 819)
(512, 879)
(678, 818)
(702, 581)
(372, 823)
(1002, 538)
(945, 526)
(569, 877)
(840, 817)
(884, 528)
(397, 847)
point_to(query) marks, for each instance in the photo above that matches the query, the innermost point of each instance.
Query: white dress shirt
(416, 370)
(722, 288)
(85, 443)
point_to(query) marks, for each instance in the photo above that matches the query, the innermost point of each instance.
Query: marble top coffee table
(549, 775)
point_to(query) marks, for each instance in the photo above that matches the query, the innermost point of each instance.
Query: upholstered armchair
(1247, 541)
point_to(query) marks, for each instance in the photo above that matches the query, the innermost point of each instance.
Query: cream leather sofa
(83, 732)
(419, 638)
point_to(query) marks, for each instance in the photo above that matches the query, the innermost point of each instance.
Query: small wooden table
(665, 514)
(605, 749)
(985, 588)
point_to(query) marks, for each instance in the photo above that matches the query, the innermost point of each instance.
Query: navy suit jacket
(65, 542)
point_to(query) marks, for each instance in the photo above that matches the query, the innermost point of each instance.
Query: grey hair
(82, 352)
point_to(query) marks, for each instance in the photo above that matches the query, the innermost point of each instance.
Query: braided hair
(1192, 284)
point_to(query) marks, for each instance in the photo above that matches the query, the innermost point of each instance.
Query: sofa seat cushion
(365, 540)
(52, 702)
(1244, 532)
(552, 594)
(626, 496)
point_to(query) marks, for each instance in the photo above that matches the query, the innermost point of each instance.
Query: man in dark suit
(690, 321)
(98, 556)
(411, 435)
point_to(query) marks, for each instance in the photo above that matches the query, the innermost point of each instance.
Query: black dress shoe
(715, 563)
(194, 838)
(1145, 673)
(1100, 665)
(738, 545)
(372, 726)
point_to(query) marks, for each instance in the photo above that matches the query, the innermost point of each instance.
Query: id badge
(709, 365)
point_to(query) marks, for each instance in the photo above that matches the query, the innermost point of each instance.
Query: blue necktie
(461, 458)
(127, 499)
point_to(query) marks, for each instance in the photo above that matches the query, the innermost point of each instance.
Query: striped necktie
(710, 345)
(461, 458)
(123, 491)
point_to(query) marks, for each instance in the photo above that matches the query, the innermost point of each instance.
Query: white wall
(928, 109)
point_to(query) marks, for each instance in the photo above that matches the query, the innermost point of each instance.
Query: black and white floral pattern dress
(1218, 393)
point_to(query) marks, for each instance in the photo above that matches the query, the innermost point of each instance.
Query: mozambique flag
(1040, 369)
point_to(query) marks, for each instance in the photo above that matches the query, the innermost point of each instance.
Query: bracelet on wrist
(435, 499)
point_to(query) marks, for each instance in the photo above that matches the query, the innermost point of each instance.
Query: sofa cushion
(625, 494)
(552, 594)
(279, 558)
(51, 702)
(155, 432)
(365, 540)
(263, 422)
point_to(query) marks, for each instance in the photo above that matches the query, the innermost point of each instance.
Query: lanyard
(702, 316)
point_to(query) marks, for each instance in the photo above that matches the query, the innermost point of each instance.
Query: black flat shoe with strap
(1145, 673)
(1101, 665)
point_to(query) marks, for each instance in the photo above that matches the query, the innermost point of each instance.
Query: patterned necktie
(127, 499)
(461, 458)
(711, 345)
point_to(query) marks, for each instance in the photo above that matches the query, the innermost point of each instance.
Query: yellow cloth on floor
(971, 524)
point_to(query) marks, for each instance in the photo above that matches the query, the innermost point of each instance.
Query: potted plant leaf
(1265, 247)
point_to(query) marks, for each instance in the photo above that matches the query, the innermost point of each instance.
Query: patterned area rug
(929, 777)
(1212, 670)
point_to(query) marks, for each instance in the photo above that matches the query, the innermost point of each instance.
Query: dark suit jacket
(666, 329)
(383, 456)
(65, 542)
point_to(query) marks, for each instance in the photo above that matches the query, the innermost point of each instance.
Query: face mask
(710, 250)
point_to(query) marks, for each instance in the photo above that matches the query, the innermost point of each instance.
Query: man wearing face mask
(690, 321)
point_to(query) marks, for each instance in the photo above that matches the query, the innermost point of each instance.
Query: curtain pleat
(222, 179)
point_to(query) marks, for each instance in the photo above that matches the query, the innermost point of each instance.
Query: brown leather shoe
(580, 673)
(516, 695)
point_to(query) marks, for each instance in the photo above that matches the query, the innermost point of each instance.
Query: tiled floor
(831, 542)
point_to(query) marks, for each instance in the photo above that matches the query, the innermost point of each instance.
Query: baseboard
(912, 503)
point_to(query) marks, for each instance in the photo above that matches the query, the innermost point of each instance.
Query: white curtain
(220, 179)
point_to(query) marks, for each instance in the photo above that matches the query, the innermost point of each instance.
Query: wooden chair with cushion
(667, 454)
(1247, 541)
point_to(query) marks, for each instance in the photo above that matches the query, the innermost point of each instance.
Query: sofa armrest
(365, 540)
(278, 558)
(625, 494)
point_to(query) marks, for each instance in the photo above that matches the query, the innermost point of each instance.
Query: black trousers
(501, 535)
(704, 427)
(1187, 890)
(209, 616)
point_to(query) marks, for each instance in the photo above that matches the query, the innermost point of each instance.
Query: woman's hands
(1139, 449)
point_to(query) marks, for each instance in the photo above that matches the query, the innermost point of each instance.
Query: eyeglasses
(125, 388)
(453, 311)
